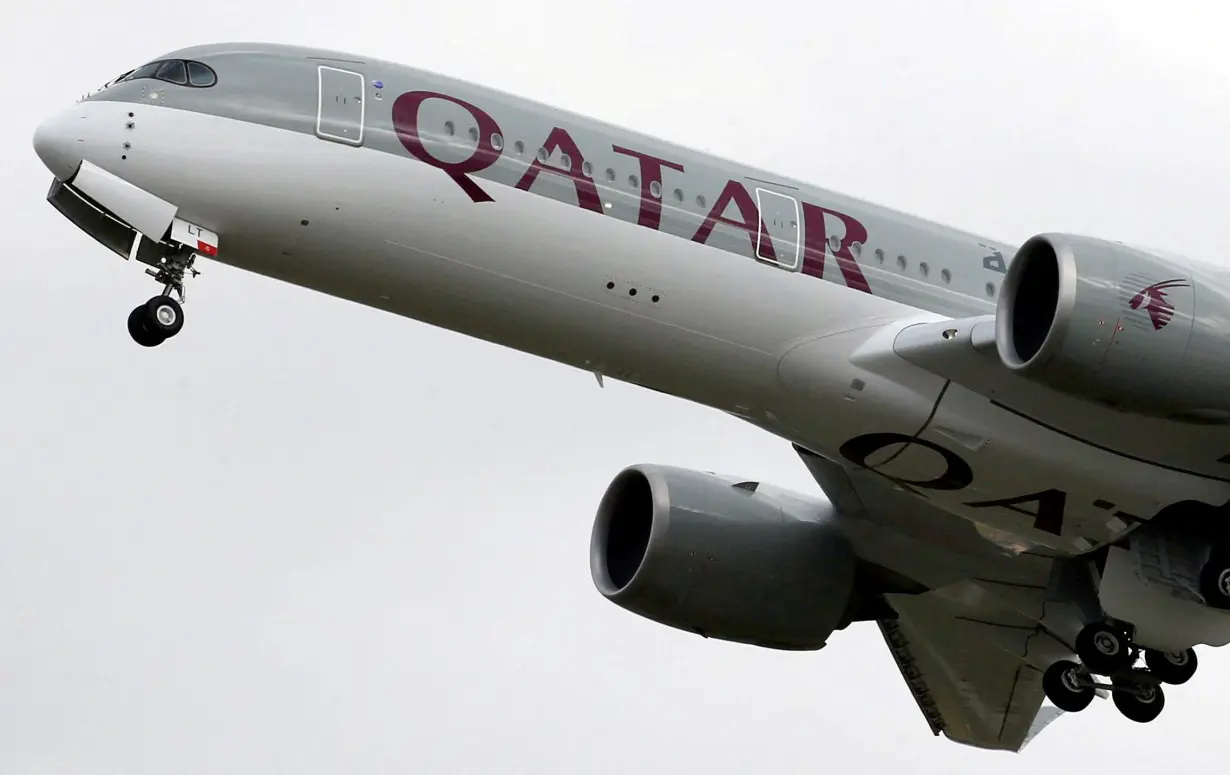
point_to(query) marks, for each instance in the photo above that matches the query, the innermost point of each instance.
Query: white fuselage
(810, 361)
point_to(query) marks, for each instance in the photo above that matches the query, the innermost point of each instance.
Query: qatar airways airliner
(1023, 449)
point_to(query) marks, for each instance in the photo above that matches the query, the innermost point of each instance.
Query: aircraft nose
(59, 142)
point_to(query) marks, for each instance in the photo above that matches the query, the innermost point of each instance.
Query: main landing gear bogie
(1106, 649)
(1137, 693)
(162, 317)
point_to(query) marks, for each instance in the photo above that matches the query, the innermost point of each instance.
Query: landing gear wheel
(1104, 649)
(1172, 667)
(1066, 685)
(1138, 698)
(139, 333)
(1215, 580)
(164, 316)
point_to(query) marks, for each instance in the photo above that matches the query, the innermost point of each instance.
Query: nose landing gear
(162, 317)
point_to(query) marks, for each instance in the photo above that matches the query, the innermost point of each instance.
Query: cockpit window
(173, 71)
(144, 71)
(201, 75)
(177, 71)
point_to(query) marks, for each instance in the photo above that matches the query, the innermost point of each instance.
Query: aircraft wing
(971, 648)
(970, 678)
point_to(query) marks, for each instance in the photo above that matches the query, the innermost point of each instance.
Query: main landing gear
(1106, 649)
(1215, 579)
(162, 317)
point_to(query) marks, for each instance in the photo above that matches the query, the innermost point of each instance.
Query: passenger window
(201, 75)
(173, 72)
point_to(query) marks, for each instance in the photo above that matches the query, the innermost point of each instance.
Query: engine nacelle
(693, 551)
(1117, 324)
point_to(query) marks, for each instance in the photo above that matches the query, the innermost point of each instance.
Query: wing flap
(972, 678)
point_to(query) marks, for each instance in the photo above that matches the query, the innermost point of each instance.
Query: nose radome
(59, 142)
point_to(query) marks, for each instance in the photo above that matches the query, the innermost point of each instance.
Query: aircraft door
(340, 109)
(778, 241)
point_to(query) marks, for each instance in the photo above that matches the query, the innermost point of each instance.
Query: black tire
(139, 333)
(1138, 708)
(1215, 581)
(1104, 649)
(164, 316)
(1173, 668)
(1062, 685)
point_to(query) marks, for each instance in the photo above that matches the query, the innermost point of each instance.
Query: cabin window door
(778, 241)
(340, 109)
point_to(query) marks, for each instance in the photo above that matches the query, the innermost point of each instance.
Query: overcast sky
(309, 537)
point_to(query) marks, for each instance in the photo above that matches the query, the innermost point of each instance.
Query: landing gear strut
(162, 317)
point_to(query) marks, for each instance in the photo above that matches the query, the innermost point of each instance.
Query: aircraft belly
(1025, 480)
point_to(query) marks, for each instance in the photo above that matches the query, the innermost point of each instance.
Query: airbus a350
(1023, 450)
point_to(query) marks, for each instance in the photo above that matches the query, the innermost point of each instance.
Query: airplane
(1022, 450)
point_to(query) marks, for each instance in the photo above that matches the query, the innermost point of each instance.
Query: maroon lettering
(559, 139)
(816, 243)
(406, 124)
(651, 172)
(750, 213)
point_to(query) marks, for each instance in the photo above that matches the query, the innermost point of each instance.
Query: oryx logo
(1153, 299)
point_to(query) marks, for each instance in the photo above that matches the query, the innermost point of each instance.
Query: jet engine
(699, 553)
(1117, 324)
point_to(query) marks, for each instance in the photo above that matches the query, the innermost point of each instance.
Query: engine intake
(1030, 302)
(693, 551)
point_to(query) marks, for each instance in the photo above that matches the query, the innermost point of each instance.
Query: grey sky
(310, 537)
